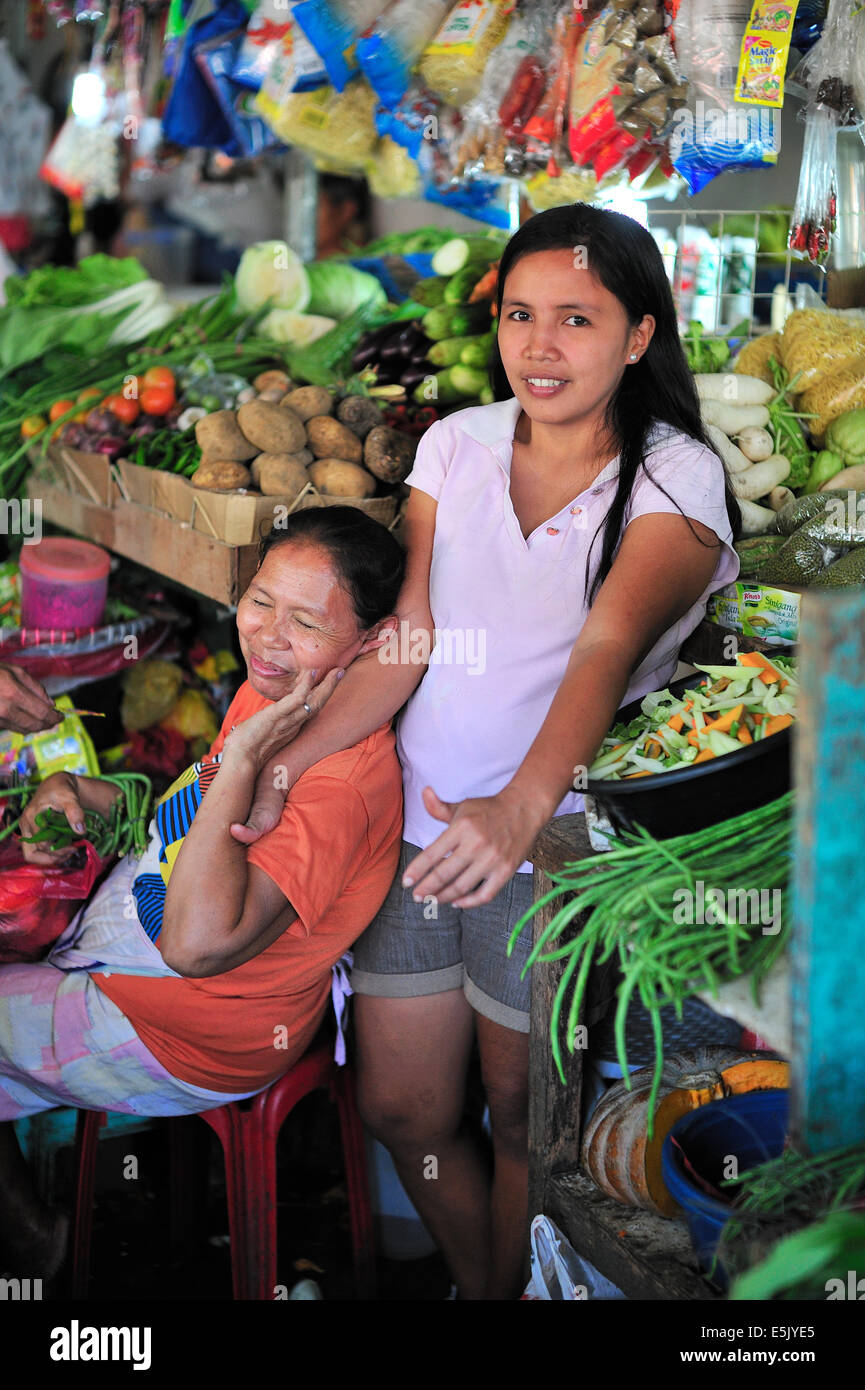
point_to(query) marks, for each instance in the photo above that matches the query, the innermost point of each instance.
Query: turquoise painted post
(828, 948)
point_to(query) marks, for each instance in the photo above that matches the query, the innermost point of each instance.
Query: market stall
(172, 428)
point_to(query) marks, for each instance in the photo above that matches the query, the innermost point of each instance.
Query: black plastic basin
(675, 803)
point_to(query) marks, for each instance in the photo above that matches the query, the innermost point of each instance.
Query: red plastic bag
(37, 904)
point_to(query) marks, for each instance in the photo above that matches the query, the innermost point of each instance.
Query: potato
(359, 414)
(328, 439)
(302, 456)
(273, 380)
(307, 401)
(388, 454)
(273, 428)
(221, 475)
(281, 475)
(340, 479)
(220, 437)
(273, 394)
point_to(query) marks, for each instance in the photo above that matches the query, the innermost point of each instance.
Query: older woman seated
(200, 973)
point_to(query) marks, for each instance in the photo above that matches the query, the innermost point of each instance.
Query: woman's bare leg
(505, 1071)
(412, 1060)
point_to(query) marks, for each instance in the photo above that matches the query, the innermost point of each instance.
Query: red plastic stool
(248, 1131)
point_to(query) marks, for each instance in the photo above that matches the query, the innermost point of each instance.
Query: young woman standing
(573, 532)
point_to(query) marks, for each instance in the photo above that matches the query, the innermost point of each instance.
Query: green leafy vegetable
(337, 289)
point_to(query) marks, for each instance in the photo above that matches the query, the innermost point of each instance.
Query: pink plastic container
(64, 583)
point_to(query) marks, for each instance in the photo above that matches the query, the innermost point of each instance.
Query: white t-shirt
(507, 610)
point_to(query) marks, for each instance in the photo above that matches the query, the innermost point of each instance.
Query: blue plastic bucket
(751, 1128)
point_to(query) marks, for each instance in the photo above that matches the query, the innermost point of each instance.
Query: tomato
(127, 411)
(158, 376)
(60, 408)
(90, 393)
(156, 400)
(33, 425)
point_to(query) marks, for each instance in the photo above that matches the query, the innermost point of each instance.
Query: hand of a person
(60, 791)
(268, 799)
(24, 706)
(258, 738)
(486, 841)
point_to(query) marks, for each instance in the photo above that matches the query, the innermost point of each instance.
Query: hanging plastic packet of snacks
(389, 50)
(454, 61)
(483, 136)
(713, 133)
(827, 74)
(294, 67)
(333, 28)
(765, 50)
(626, 87)
(413, 120)
(336, 126)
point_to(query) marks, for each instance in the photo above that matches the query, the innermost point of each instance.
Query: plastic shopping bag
(37, 904)
(559, 1274)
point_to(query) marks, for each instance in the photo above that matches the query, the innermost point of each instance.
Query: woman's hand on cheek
(485, 843)
(257, 739)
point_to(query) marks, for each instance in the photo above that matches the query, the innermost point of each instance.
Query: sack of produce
(819, 343)
(833, 396)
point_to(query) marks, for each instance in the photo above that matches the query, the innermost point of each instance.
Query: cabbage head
(271, 273)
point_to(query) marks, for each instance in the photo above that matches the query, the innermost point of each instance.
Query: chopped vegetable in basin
(731, 708)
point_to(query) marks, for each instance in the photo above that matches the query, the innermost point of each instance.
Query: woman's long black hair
(660, 386)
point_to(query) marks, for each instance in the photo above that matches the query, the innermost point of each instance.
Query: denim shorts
(412, 949)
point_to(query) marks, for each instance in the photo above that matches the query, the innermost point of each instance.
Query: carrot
(722, 724)
(486, 286)
(644, 772)
(677, 721)
(744, 735)
(768, 673)
(653, 749)
(758, 716)
(704, 756)
(780, 721)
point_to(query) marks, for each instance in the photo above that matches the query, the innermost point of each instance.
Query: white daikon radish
(779, 497)
(760, 478)
(733, 457)
(756, 444)
(755, 520)
(731, 388)
(732, 419)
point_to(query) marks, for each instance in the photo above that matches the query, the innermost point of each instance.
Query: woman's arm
(661, 570)
(220, 910)
(371, 692)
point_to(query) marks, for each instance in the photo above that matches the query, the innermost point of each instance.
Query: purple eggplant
(416, 373)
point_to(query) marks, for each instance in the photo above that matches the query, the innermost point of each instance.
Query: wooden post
(828, 949)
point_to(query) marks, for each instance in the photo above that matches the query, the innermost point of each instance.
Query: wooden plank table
(647, 1256)
(150, 538)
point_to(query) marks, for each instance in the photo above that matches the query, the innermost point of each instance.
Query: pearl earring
(633, 357)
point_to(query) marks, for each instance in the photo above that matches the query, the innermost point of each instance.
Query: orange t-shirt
(333, 855)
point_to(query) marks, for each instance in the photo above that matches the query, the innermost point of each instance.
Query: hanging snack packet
(713, 134)
(333, 28)
(335, 126)
(389, 50)
(453, 62)
(487, 117)
(268, 25)
(765, 50)
(294, 67)
(414, 119)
